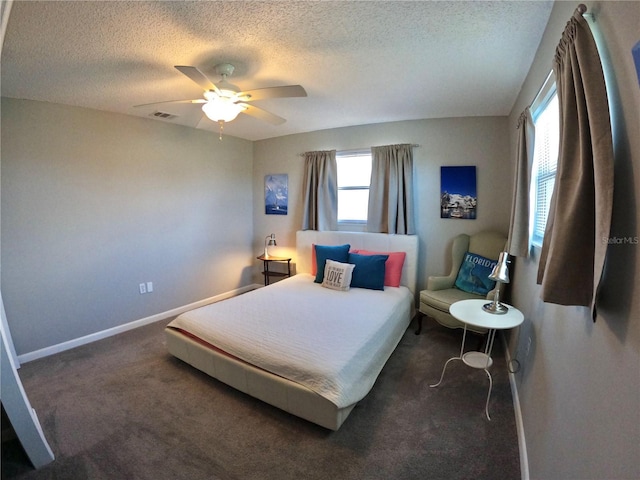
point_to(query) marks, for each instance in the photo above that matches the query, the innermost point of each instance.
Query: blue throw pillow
(337, 253)
(369, 271)
(473, 276)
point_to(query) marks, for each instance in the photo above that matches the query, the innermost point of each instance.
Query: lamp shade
(269, 241)
(222, 109)
(500, 272)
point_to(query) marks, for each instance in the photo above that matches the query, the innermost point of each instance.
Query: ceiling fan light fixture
(222, 109)
(224, 101)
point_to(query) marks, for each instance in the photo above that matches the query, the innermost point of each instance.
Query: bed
(309, 350)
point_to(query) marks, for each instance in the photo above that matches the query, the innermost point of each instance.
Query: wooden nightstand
(270, 273)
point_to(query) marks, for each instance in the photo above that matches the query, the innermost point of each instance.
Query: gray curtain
(391, 190)
(575, 241)
(518, 242)
(320, 191)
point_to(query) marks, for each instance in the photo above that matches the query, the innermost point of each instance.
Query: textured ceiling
(360, 62)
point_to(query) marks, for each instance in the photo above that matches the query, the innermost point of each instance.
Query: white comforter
(334, 343)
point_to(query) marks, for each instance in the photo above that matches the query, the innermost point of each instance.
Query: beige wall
(95, 203)
(579, 385)
(481, 141)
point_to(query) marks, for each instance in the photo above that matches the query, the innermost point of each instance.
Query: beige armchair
(441, 291)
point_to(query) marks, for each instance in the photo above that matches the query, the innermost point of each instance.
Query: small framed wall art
(458, 197)
(276, 194)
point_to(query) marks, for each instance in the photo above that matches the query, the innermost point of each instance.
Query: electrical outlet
(143, 288)
(149, 287)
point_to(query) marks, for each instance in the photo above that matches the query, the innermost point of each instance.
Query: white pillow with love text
(337, 276)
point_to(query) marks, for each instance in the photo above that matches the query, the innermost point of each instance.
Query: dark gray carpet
(123, 408)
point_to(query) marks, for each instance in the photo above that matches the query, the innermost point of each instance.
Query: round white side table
(470, 312)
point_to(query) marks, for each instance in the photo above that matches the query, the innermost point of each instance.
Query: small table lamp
(499, 274)
(270, 240)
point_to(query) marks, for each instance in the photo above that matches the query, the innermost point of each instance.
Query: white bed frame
(275, 390)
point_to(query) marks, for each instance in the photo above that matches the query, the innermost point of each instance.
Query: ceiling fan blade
(197, 76)
(274, 92)
(261, 114)
(199, 100)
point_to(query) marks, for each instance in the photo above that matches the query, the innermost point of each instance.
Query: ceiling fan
(223, 101)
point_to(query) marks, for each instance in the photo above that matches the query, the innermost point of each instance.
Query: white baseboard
(61, 347)
(522, 444)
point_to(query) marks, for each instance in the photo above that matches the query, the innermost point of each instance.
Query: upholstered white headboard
(379, 242)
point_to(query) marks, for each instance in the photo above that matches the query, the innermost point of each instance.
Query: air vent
(163, 115)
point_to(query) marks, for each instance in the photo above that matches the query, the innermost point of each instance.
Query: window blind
(545, 158)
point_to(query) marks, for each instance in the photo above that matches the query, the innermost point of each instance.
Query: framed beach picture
(276, 194)
(458, 197)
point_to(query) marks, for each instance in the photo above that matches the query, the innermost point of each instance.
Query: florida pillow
(369, 271)
(392, 267)
(337, 276)
(473, 276)
(337, 253)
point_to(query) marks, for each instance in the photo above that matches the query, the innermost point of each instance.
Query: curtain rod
(414, 145)
(582, 9)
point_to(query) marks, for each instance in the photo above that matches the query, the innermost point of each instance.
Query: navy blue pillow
(369, 271)
(338, 253)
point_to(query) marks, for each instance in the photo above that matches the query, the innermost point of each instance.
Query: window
(354, 178)
(546, 118)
